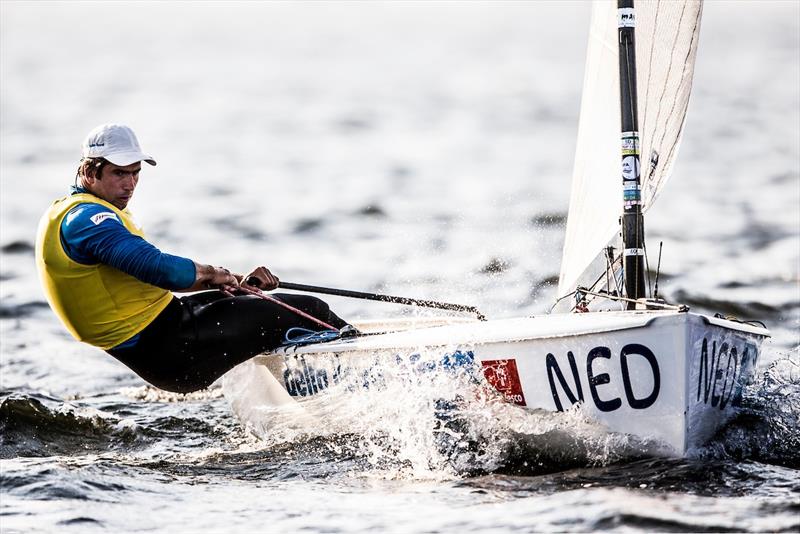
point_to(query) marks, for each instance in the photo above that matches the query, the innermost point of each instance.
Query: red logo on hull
(504, 377)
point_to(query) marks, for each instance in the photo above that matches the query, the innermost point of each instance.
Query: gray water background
(421, 149)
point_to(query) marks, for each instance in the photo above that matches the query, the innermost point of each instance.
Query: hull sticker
(504, 377)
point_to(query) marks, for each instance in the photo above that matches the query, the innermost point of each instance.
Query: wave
(39, 425)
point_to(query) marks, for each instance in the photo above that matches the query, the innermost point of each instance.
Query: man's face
(116, 184)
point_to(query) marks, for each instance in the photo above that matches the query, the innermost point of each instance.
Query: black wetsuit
(198, 338)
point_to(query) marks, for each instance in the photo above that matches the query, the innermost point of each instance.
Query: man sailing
(113, 289)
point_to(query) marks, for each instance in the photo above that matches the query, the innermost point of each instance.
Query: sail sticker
(630, 168)
(504, 377)
(653, 160)
(634, 252)
(626, 17)
(632, 194)
(630, 143)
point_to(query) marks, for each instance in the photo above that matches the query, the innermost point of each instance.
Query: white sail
(666, 46)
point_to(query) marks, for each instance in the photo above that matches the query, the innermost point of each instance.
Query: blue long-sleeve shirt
(91, 233)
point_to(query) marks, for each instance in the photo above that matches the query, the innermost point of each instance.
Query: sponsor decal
(724, 368)
(634, 252)
(630, 143)
(100, 217)
(504, 377)
(653, 161)
(574, 392)
(626, 17)
(631, 194)
(630, 168)
(302, 380)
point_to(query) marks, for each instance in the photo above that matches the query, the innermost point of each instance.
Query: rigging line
(647, 268)
(560, 299)
(611, 261)
(617, 286)
(383, 298)
(292, 309)
(617, 280)
(640, 239)
(658, 268)
(751, 322)
(662, 305)
(649, 304)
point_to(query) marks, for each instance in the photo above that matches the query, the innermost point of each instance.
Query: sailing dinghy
(636, 364)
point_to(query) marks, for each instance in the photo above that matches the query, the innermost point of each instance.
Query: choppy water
(417, 148)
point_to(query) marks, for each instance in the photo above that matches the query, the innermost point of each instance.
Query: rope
(304, 336)
(292, 309)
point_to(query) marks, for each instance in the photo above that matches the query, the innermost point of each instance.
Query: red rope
(301, 313)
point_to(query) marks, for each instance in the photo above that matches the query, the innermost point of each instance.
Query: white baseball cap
(115, 142)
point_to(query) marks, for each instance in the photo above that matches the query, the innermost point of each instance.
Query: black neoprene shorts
(198, 338)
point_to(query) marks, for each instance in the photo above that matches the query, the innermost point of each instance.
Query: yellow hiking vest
(97, 303)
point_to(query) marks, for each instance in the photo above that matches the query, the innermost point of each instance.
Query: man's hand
(222, 279)
(260, 278)
(210, 277)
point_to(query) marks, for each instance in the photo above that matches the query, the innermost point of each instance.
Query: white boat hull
(666, 376)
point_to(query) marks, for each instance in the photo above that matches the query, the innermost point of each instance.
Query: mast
(632, 220)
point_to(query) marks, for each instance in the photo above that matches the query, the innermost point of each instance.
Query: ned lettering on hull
(599, 382)
(113, 289)
(723, 369)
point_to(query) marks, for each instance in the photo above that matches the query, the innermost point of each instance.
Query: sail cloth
(667, 33)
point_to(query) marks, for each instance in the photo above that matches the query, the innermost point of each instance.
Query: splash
(153, 394)
(424, 416)
(766, 429)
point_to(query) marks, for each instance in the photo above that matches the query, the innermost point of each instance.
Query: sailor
(113, 289)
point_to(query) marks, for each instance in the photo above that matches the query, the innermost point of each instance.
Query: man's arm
(91, 233)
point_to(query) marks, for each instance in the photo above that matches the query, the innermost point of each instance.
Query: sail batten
(666, 47)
